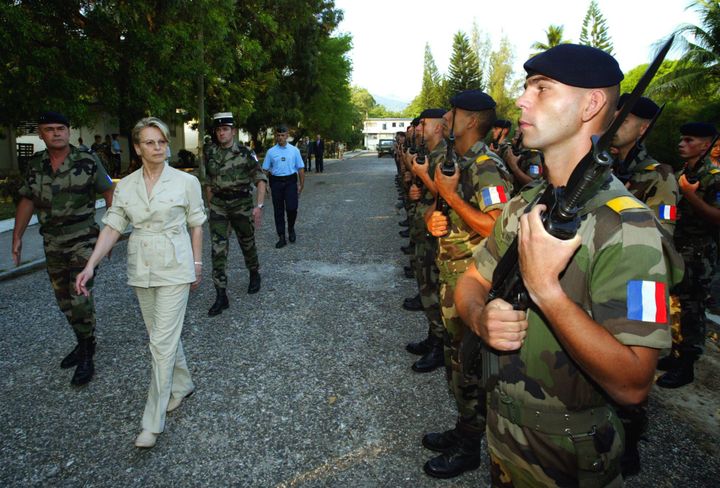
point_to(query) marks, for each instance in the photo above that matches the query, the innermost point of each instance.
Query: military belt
(454, 266)
(64, 230)
(229, 195)
(558, 422)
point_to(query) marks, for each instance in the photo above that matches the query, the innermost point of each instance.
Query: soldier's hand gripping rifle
(516, 146)
(622, 171)
(691, 174)
(421, 156)
(561, 220)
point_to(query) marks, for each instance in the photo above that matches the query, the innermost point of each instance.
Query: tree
(464, 71)
(554, 34)
(500, 81)
(483, 47)
(594, 29)
(697, 72)
(431, 93)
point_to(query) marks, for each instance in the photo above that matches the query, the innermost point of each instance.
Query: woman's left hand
(198, 277)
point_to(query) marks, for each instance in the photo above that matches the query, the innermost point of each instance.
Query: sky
(389, 36)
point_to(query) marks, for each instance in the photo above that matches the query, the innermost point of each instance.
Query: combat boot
(420, 347)
(404, 223)
(413, 304)
(671, 361)
(682, 375)
(254, 285)
(441, 441)
(409, 273)
(465, 456)
(433, 359)
(404, 233)
(221, 302)
(85, 366)
(71, 359)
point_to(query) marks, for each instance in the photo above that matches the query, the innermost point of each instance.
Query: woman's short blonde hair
(150, 122)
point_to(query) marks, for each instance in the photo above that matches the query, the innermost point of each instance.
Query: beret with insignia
(432, 113)
(644, 107)
(53, 118)
(576, 65)
(472, 100)
(698, 129)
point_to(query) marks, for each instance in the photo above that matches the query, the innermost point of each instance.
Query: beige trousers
(163, 309)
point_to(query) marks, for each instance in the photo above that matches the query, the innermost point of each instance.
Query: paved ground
(305, 384)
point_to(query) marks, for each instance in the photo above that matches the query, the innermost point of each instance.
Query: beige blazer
(159, 249)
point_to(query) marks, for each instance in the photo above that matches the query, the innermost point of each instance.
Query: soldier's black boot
(433, 359)
(420, 347)
(671, 361)
(634, 421)
(71, 359)
(404, 233)
(455, 460)
(85, 366)
(409, 273)
(682, 375)
(254, 285)
(281, 242)
(404, 223)
(413, 304)
(441, 441)
(221, 302)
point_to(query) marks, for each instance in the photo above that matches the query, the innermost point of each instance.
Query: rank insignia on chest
(646, 301)
(667, 212)
(492, 195)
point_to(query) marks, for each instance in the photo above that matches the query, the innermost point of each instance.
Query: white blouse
(159, 249)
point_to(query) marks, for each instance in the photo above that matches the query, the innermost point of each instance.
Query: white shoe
(175, 402)
(146, 439)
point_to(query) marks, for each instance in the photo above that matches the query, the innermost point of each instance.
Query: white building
(382, 128)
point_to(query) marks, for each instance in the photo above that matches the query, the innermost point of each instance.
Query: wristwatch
(260, 205)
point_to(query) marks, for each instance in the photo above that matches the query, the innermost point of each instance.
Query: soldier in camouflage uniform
(474, 196)
(696, 235)
(526, 166)
(422, 191)
(230, 170)
(655, 185)
(61, 183)
(599, 301)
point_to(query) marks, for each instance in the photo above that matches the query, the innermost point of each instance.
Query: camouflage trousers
(64, 263)
(525, 456)
(239, 217)
(700, 257)
(465, 388)
(427, 276)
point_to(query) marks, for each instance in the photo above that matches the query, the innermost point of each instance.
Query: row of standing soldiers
(451, 182)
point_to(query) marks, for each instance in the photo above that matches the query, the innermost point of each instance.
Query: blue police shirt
(283, 160)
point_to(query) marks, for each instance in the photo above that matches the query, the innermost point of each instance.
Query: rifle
(691, 175)
(622, 172)
(421, 156)
(561, 220)
(516, 146)
(448, 168)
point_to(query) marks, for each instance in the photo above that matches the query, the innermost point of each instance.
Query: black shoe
(671, 361)
(291, 235)
(409, 273)
(441, 441)
(221, 302)
(430, 361)
(254, 285)
(404, 223)
(675, 378)
(85, 366)
(404, 233)
(70, 360)
(420, 348)
(453, 463)
(409, 249)
(281, 243)
(412, 304)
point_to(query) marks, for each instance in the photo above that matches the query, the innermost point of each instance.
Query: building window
(384, 126)
(394, 124)
(402, 124)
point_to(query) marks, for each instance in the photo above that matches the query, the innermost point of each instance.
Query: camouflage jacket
(622, 251)
(482, 187)
(690, 225)
(655, 185)
(65, 200)
(232, 171)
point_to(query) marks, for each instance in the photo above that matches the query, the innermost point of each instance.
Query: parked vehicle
(385, 146)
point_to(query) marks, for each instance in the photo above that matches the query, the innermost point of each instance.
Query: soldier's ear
(595, 101)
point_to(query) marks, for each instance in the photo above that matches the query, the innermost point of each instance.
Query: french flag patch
(667, 212)
(493, 194)
(646, 301)
(534, 170)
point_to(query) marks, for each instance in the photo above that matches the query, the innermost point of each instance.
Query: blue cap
(576, 65)
(415, 122)
(432, 113)
(53, 118)
(644, 107)
(472, 100)
(698, 129)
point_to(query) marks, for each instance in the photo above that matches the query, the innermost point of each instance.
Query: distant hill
(391, 103)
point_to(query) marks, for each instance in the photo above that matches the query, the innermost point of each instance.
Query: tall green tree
(554, 35)
(594, 29)
(501, 85)
(464, 71)
(432, 91)
(482, 46)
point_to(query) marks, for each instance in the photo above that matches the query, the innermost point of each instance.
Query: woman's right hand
(81, 280)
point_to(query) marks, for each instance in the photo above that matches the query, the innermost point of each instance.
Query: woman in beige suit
(164, 263)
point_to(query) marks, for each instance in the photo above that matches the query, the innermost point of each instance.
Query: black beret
(53, 118)
(502, 123)
(432, 113)
(281, 128)
(472, 100)
(415, 122)
(644, 107)
(698, 129)
(223, 118)
(576, 65)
